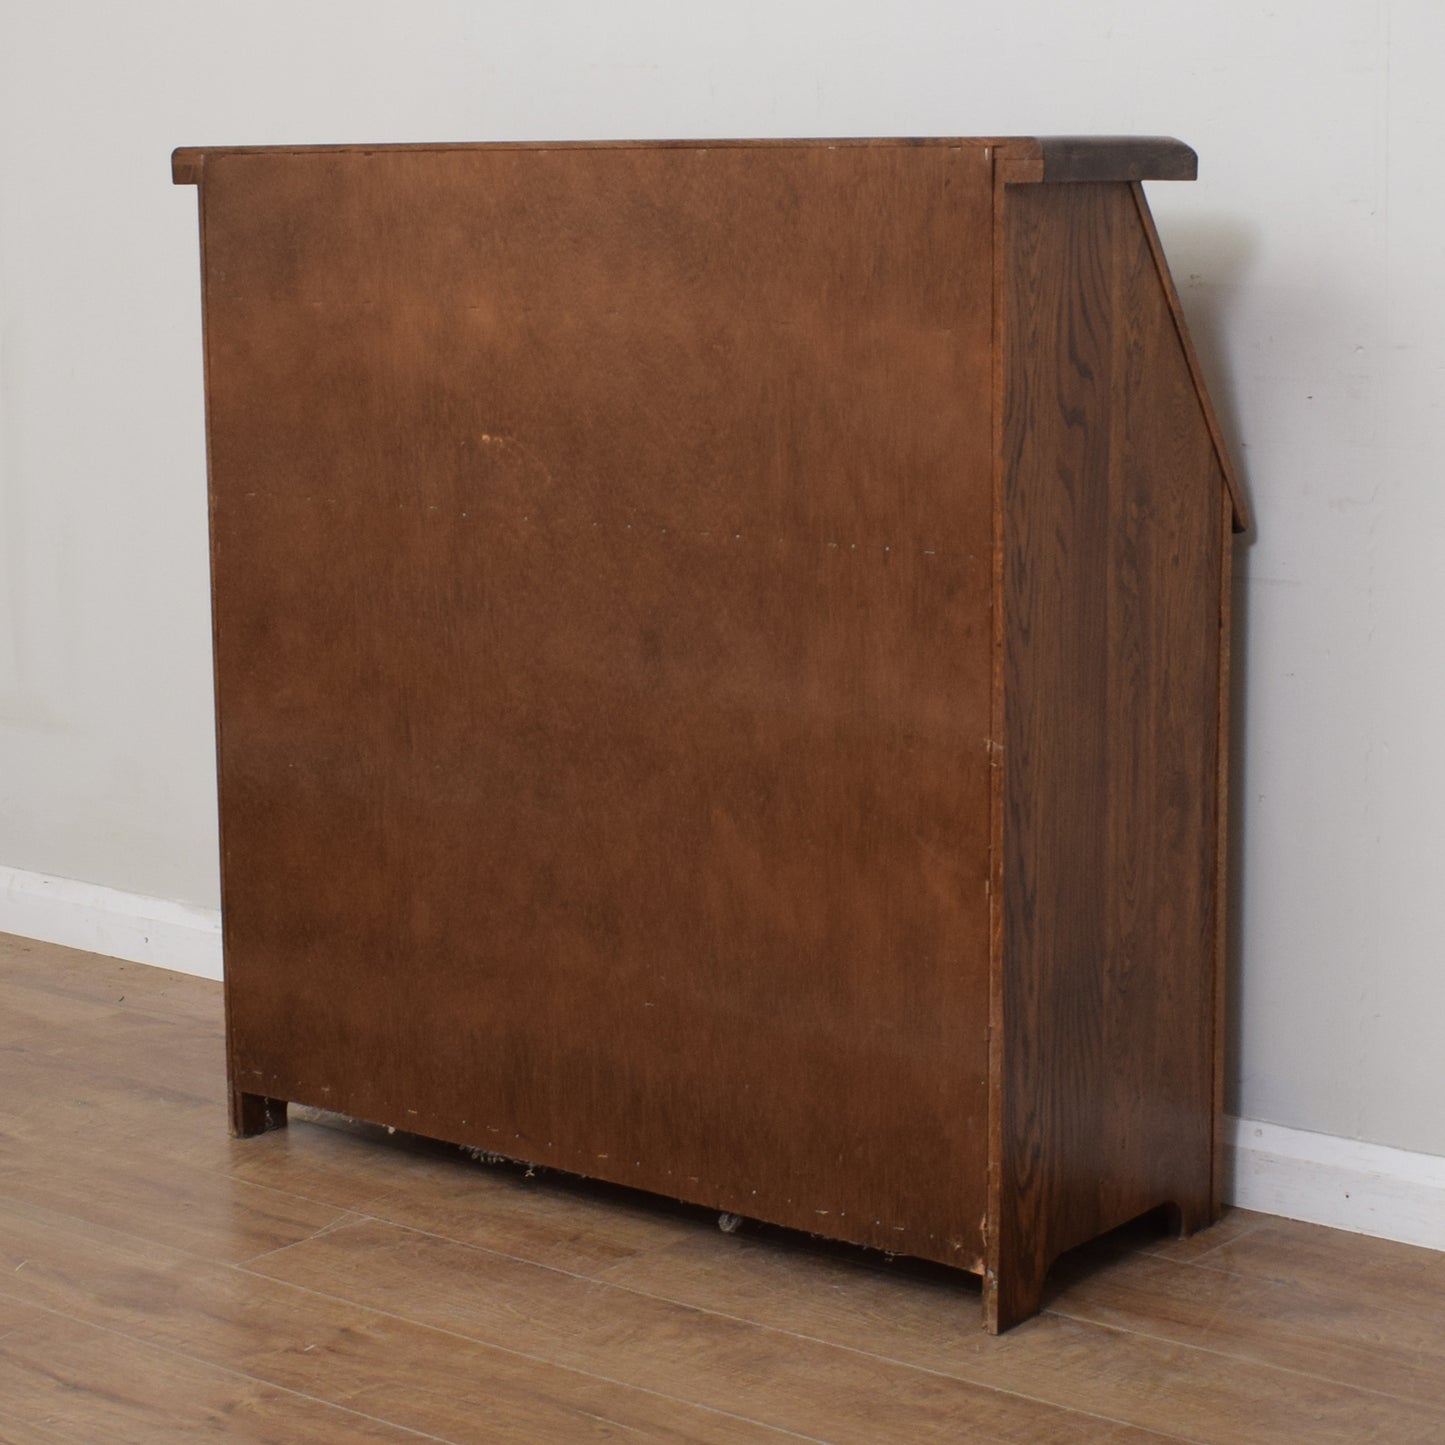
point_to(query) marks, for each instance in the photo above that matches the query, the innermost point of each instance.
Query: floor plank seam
(113, 1006)
(225, 1369)
(527, 1355)
(744, 1320)
(360, 1217)
(1246, 1360)
(1204, 1253)
(1320, 1292)
(342, 1220)
(242, 1266)
(44, 1431)
(335, 1227)
(345, 1217)
(239, 1267)
(223, 1171)
(166, 1169)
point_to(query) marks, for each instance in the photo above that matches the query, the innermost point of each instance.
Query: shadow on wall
(1211, 255)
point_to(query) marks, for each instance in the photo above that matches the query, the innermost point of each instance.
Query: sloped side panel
(1111, 587)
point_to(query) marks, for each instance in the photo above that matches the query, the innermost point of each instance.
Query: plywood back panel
(602, 556)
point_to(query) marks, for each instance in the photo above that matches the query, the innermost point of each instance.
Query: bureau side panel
(602, 595)
(1111, 592)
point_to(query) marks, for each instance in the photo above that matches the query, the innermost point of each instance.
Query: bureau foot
(1187, 1219)
(255, 1114)
(1014, 1298)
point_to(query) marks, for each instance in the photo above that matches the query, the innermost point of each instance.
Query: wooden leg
(1191, 1216)
(255, 1114)
(1014, 1295)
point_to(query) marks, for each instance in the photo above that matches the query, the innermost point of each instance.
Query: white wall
(1309, 254)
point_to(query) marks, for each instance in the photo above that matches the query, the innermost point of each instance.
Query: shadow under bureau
(721, 657)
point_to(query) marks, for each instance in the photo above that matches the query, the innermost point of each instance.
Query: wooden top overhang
(1031, 158)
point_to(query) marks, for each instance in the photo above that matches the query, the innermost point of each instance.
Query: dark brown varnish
(1111, 684)
(609, 663)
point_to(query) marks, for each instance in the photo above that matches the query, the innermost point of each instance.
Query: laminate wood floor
(330, 1282)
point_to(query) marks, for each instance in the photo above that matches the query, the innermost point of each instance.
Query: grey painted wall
(1309, 255)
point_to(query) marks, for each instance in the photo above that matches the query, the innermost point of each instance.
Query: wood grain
(1067, 159)
(658, 1345)
(1225, 1386)
(1116, 158)
(1256, 1331)
(1111, 568)
(1388, 1277)
(1032, 158)
(422, 1379)
(77, 1382)
(1330, 1337)
(718, 672)
(175, 1204)
(630, 506)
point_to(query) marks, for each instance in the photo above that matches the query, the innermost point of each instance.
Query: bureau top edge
(1031, 158)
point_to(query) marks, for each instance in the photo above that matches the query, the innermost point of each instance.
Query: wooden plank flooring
(160, 1281)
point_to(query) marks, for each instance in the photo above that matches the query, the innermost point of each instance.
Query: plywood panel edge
(1221, 861)
(998, 764)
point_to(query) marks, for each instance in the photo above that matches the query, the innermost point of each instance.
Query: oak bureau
(721, 673)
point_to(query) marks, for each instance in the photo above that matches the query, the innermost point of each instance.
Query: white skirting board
(1366, 1188)
(107, 920)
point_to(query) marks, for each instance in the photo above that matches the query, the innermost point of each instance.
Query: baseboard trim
(1364, 1188)
(1343, 1183)
(110, 921)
